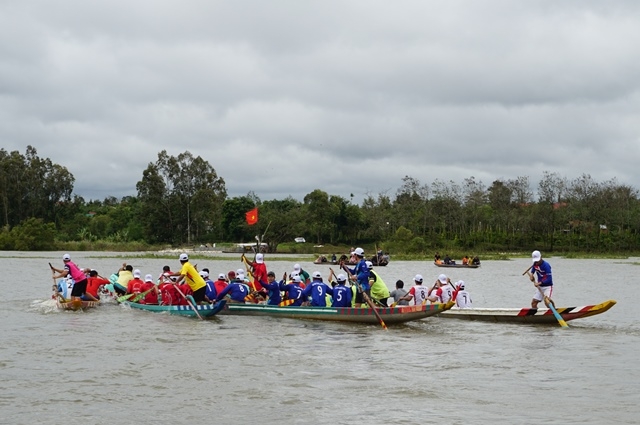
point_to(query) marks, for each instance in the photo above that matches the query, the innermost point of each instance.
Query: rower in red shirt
(94, 282)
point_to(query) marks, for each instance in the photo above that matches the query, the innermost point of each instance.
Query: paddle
(141, 295)
(124, 297)
(55, 284)
(249, 274)
(365, 296)
(549, 304)
(188, 301)
(526, 271)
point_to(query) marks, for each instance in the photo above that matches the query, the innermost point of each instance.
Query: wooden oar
(55, 284)
(366, 297)
(249, 274)
(526, 271)
(188, 301)
(549, 304)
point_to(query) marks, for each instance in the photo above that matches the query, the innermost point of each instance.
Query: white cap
(296, 267)
(369, 264)
(239, 271)
(204, 274)
(136, 273)
(66, 257)
(259, 258)
(296, 278)
(535, 256)
(184, 257)
(418, 278)
(341, 277)
(460, 284)
(222, 276)
(148, 278)
(240, 276)
(443, 279)
(317, 275)
(359, 252)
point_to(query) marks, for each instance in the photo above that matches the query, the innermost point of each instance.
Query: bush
(33, 234)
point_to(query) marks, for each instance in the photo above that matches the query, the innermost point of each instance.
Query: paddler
(190, 275)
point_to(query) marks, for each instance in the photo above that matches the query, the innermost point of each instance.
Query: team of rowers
(356, 286)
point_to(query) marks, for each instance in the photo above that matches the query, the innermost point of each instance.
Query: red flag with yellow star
(252, 216)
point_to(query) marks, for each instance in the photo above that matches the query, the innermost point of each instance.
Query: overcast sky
(284, 97)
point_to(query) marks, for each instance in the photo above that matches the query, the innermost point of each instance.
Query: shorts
(198, 295)
(79, 288)
(547, 292)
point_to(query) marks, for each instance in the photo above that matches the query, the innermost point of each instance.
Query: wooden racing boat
(390, 315)
(205, 310)
(75, 304)
(527, 315)
(461, 266)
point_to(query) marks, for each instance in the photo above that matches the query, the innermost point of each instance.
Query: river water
(115, 365)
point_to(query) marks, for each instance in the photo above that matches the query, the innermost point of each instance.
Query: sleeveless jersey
(420, 294)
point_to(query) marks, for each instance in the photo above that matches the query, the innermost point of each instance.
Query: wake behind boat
(527, 315)
(390, 315)
(205, 310)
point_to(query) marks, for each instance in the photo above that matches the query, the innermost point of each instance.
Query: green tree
(187, 196)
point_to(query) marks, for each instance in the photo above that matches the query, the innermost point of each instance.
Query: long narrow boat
(527, 315)
(390, 315)
(75, 304)
(205, 310)
(459, 266)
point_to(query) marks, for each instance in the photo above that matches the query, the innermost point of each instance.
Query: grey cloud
(356, 94)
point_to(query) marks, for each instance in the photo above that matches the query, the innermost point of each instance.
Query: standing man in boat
(258, 269)
(190, 275)
(78, 276)
(544, 285)
(361, 273)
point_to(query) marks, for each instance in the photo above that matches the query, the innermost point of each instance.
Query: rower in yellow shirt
(189, 274)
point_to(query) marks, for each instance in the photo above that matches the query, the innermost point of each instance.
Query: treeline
(182, 201)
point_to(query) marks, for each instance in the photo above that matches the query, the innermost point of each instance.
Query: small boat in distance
(460, 266)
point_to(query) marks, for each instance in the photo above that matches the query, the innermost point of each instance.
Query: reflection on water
(113, 364)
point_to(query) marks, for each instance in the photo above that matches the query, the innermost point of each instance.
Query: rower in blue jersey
(273, 288)
(318, 290)
(341, 292)
(293, 290)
